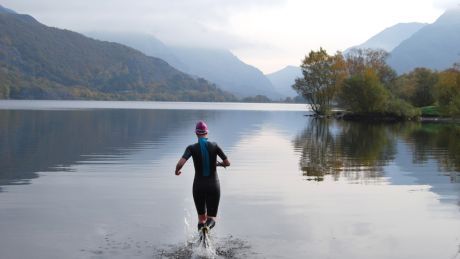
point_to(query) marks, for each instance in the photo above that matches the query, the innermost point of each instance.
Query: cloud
(179, 22)
(446, 4)
(260, 32)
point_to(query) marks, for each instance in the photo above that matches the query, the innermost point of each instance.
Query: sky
(268, 34)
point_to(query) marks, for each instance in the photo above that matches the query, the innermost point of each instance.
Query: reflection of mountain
(352, 150)
(34, 141)
(37, 141)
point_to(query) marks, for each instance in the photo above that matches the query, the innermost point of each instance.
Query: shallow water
(96, 180)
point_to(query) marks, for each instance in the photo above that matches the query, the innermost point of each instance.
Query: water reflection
(37, 141)
(113, 204)
(33, 141)
(363, 153)
(439, 142)
(356, 151)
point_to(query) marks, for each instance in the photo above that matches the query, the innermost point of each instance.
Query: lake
(82, 179)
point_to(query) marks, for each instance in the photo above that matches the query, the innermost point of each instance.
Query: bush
(401, 109)
(363, 94)
(452, 109)
(4, 91)
(448, 92)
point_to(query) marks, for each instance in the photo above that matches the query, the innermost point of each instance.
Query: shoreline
(340, 115)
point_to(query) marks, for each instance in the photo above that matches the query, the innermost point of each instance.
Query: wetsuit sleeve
(187, 153)
(220, 153)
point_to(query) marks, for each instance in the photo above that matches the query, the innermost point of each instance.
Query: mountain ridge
(6, 10)
(284, 78)
(391, 37)
(40, 62)
(226, 70)
(435, 46)
(219, 66)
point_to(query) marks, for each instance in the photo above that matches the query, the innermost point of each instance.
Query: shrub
(400, 108)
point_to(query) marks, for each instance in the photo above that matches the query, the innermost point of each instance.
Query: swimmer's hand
(179, 166)
(220, 164)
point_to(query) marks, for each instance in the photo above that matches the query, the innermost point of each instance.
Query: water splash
(204, 248)
(215, 248)
(201, 245)
(187, 226)
(228, 247)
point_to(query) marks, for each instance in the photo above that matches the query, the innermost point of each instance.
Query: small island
(362, 86)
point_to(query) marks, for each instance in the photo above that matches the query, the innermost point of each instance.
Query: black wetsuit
(206, 187)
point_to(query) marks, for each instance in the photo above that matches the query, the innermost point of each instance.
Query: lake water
(96, 180)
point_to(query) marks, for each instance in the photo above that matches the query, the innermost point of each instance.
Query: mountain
(40, 62)
(226, 70)
(283, 80)
(435, 46)
(6, 10)
(216, 65)
(147, 44)
(391, 37)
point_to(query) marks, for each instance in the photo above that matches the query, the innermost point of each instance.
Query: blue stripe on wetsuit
(205, 156)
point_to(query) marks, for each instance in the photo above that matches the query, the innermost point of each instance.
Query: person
(206, 187)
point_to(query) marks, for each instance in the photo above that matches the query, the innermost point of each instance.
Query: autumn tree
(366, 91)
(416, 87)
(360, 60)
(448, 91)
(322, 77)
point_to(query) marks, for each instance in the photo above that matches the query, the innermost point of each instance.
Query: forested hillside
(40, 62)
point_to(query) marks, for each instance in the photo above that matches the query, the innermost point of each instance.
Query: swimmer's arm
(224, 163)
(187, 154)
(222, 155)
(179, 165)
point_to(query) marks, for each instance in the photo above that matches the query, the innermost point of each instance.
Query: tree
(360, 60)
(4, 91)
(257, 99)
(448, 92)
(424, 80)
(416, 87)
(322, 77)
(364, 93)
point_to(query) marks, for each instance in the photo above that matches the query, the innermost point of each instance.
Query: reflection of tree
(356, 151)
(439, 142)
(318, 152)
(366, 144)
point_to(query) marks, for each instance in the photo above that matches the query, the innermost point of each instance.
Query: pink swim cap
(201, 128)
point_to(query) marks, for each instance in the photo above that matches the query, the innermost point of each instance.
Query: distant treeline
(14, 85)
(364, 85)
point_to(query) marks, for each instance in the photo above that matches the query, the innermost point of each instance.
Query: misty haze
(230, 129)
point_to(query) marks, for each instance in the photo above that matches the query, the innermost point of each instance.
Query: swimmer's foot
(210, 223)
(200, 226)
